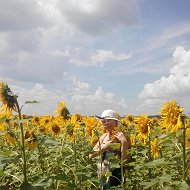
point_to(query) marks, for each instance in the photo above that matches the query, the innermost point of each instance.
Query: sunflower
(42, 129)
(55, 128)
(142, 138)
(132, 139)
(129, 118)
(171, 116)
(36, 120)
(9, 139)
(8, 99)
(70, 132)
(188, 137)
(143, 127)
(90, 124)
(62, 110)
(142, 124)
(154, 148)
(73, 128)
(31, 139)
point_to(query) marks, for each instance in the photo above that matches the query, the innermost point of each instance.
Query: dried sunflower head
(8, 99)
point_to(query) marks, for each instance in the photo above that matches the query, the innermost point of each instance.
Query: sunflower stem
(75, 160)
(22, 142)
(149, 156)
(101, 161)
(184, 147)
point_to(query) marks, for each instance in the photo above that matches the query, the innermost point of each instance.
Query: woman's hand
(121, 137)
(99, 149)
(125, 144)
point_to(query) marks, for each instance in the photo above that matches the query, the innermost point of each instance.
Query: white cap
(108, 114)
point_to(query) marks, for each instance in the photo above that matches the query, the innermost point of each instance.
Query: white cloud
(23, 15)
(47, 99)
(80, 86)
(167, 36)
(176, 85)
(85, 57)
(78, 98)
(98, 16)
(94, 103)
(181, 61)
(37, 44)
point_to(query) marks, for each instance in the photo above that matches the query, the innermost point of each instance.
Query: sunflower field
(50, 152)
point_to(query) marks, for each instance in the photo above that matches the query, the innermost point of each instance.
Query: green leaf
(62, 177)
(1, 173)
(50, 142)
(167, 188)
(7, 152)
(115, 146)
(3, 119)
(4, 159)
(156, 163)
(165, 178)
(28, 186)
(184, 186)
(31, 102)
(147, 185)
(3, 187)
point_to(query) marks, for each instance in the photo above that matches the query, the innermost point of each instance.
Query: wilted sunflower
(171, 116)
(62, 110)
(8, 99)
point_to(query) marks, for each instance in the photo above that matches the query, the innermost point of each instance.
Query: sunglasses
(106, 120)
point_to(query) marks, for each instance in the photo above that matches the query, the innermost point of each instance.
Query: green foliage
(57, 163)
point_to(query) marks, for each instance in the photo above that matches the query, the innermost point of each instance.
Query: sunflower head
(188, 137)
(130, 118)
(7, 98)
(55, 128)
(62, 110)
(142, 123)
(155, 148)
(133, 139)
(170, 115)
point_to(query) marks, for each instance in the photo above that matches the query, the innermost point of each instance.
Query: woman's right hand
(100, 149)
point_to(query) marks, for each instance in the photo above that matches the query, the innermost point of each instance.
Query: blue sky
(128, 55)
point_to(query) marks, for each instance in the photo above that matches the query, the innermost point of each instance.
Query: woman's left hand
(121, 137)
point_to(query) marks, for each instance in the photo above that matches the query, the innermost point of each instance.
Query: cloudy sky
(128, 55)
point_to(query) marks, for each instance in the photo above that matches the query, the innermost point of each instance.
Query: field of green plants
(50, 152)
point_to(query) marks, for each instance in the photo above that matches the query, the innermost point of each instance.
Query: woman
(103, 147)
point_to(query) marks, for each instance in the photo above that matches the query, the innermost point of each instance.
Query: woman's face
(109, 124)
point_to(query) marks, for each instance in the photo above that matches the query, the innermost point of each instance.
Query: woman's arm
(125, 145)
(100, 147)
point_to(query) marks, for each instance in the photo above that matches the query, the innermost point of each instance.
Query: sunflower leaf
(31, 102)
